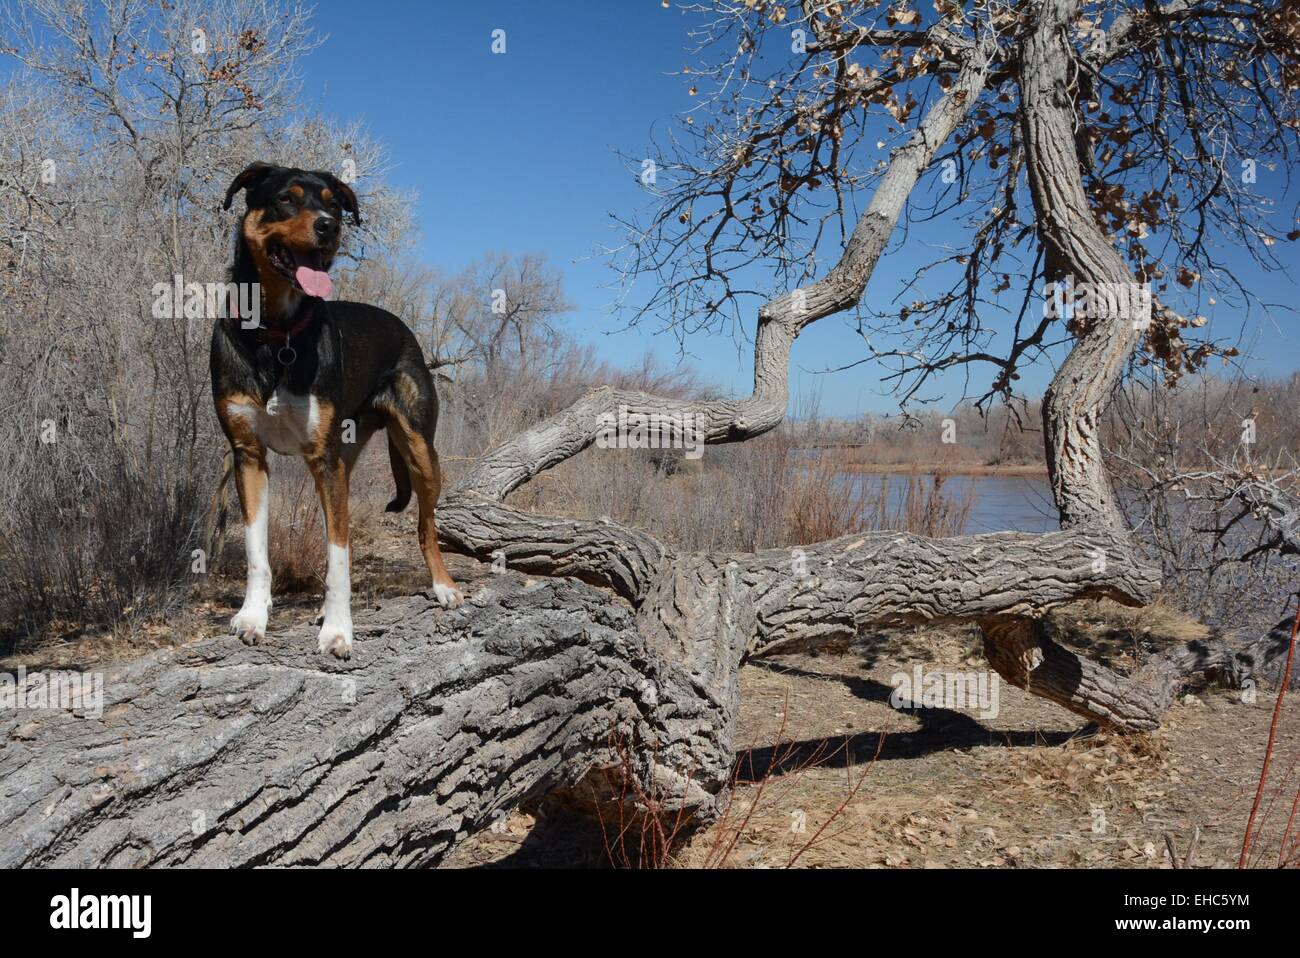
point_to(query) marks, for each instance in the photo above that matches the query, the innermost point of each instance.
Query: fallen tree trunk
(225, 755)
(221, 754)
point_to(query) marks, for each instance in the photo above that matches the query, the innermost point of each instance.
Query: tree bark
(1075, 246)
(221, 754)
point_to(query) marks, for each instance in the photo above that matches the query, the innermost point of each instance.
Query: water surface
(1001, 503)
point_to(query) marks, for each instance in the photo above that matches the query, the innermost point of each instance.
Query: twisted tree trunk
(1075, 246)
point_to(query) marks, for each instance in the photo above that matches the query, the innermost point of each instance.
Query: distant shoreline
(1024, 471)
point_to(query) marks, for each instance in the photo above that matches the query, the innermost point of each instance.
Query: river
(1000, 504)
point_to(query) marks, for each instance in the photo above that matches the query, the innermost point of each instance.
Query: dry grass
(110, 549)
(1122, 636)
(297, 536)
(825, 502)
(767, 493)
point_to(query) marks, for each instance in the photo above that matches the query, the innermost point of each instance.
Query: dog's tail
(401, 475)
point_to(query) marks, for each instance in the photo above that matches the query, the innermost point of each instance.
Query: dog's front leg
(253, 483)
(332, 484)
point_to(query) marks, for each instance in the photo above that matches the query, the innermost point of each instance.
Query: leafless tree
(123, 123)
(1195, 464)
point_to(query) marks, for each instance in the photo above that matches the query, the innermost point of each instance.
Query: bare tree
(491, 333)
(1192, 463)
(123, 124)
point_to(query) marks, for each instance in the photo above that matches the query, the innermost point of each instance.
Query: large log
(217, 753)
(221, 754)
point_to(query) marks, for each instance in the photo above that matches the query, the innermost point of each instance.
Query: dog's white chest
(287, 424)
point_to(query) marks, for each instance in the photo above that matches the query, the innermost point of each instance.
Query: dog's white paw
(249, 623)
(448, 596)
(336, 640)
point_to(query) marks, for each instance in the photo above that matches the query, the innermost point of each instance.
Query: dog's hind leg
(416, 447)
(401, 476)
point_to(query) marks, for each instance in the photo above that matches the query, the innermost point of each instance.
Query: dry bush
(1206, 548)
(96, 550)
(297, 536)
(927, 510)
(733, 501)
(827, 501)
(762, 494)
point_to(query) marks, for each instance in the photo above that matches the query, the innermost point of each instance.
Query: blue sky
(519, 152)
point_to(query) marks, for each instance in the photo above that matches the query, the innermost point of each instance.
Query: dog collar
(286, 354)
(308, 311)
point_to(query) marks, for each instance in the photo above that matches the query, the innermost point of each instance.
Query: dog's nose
(327, 227)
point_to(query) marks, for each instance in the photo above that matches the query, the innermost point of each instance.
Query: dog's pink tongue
(314, 282)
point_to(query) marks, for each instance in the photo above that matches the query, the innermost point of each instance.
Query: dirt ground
(830, 775)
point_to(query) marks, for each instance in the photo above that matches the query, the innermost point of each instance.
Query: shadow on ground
(941, 730)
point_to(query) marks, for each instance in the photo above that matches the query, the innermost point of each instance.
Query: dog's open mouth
(306, 269)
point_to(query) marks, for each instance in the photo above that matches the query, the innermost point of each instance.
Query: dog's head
(293, 223)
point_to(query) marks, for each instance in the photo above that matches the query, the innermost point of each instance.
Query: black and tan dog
(316, 379)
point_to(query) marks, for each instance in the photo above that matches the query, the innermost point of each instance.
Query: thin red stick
(1272, 736)
(1286, 835)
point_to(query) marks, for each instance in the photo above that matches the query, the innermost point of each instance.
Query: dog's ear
(252, 175)
(347, 198)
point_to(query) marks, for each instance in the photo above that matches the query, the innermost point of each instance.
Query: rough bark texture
(225, 755)
(1075, 246)
(888, 577)
(1022, 655)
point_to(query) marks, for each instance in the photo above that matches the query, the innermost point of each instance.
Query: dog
(316, 379)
